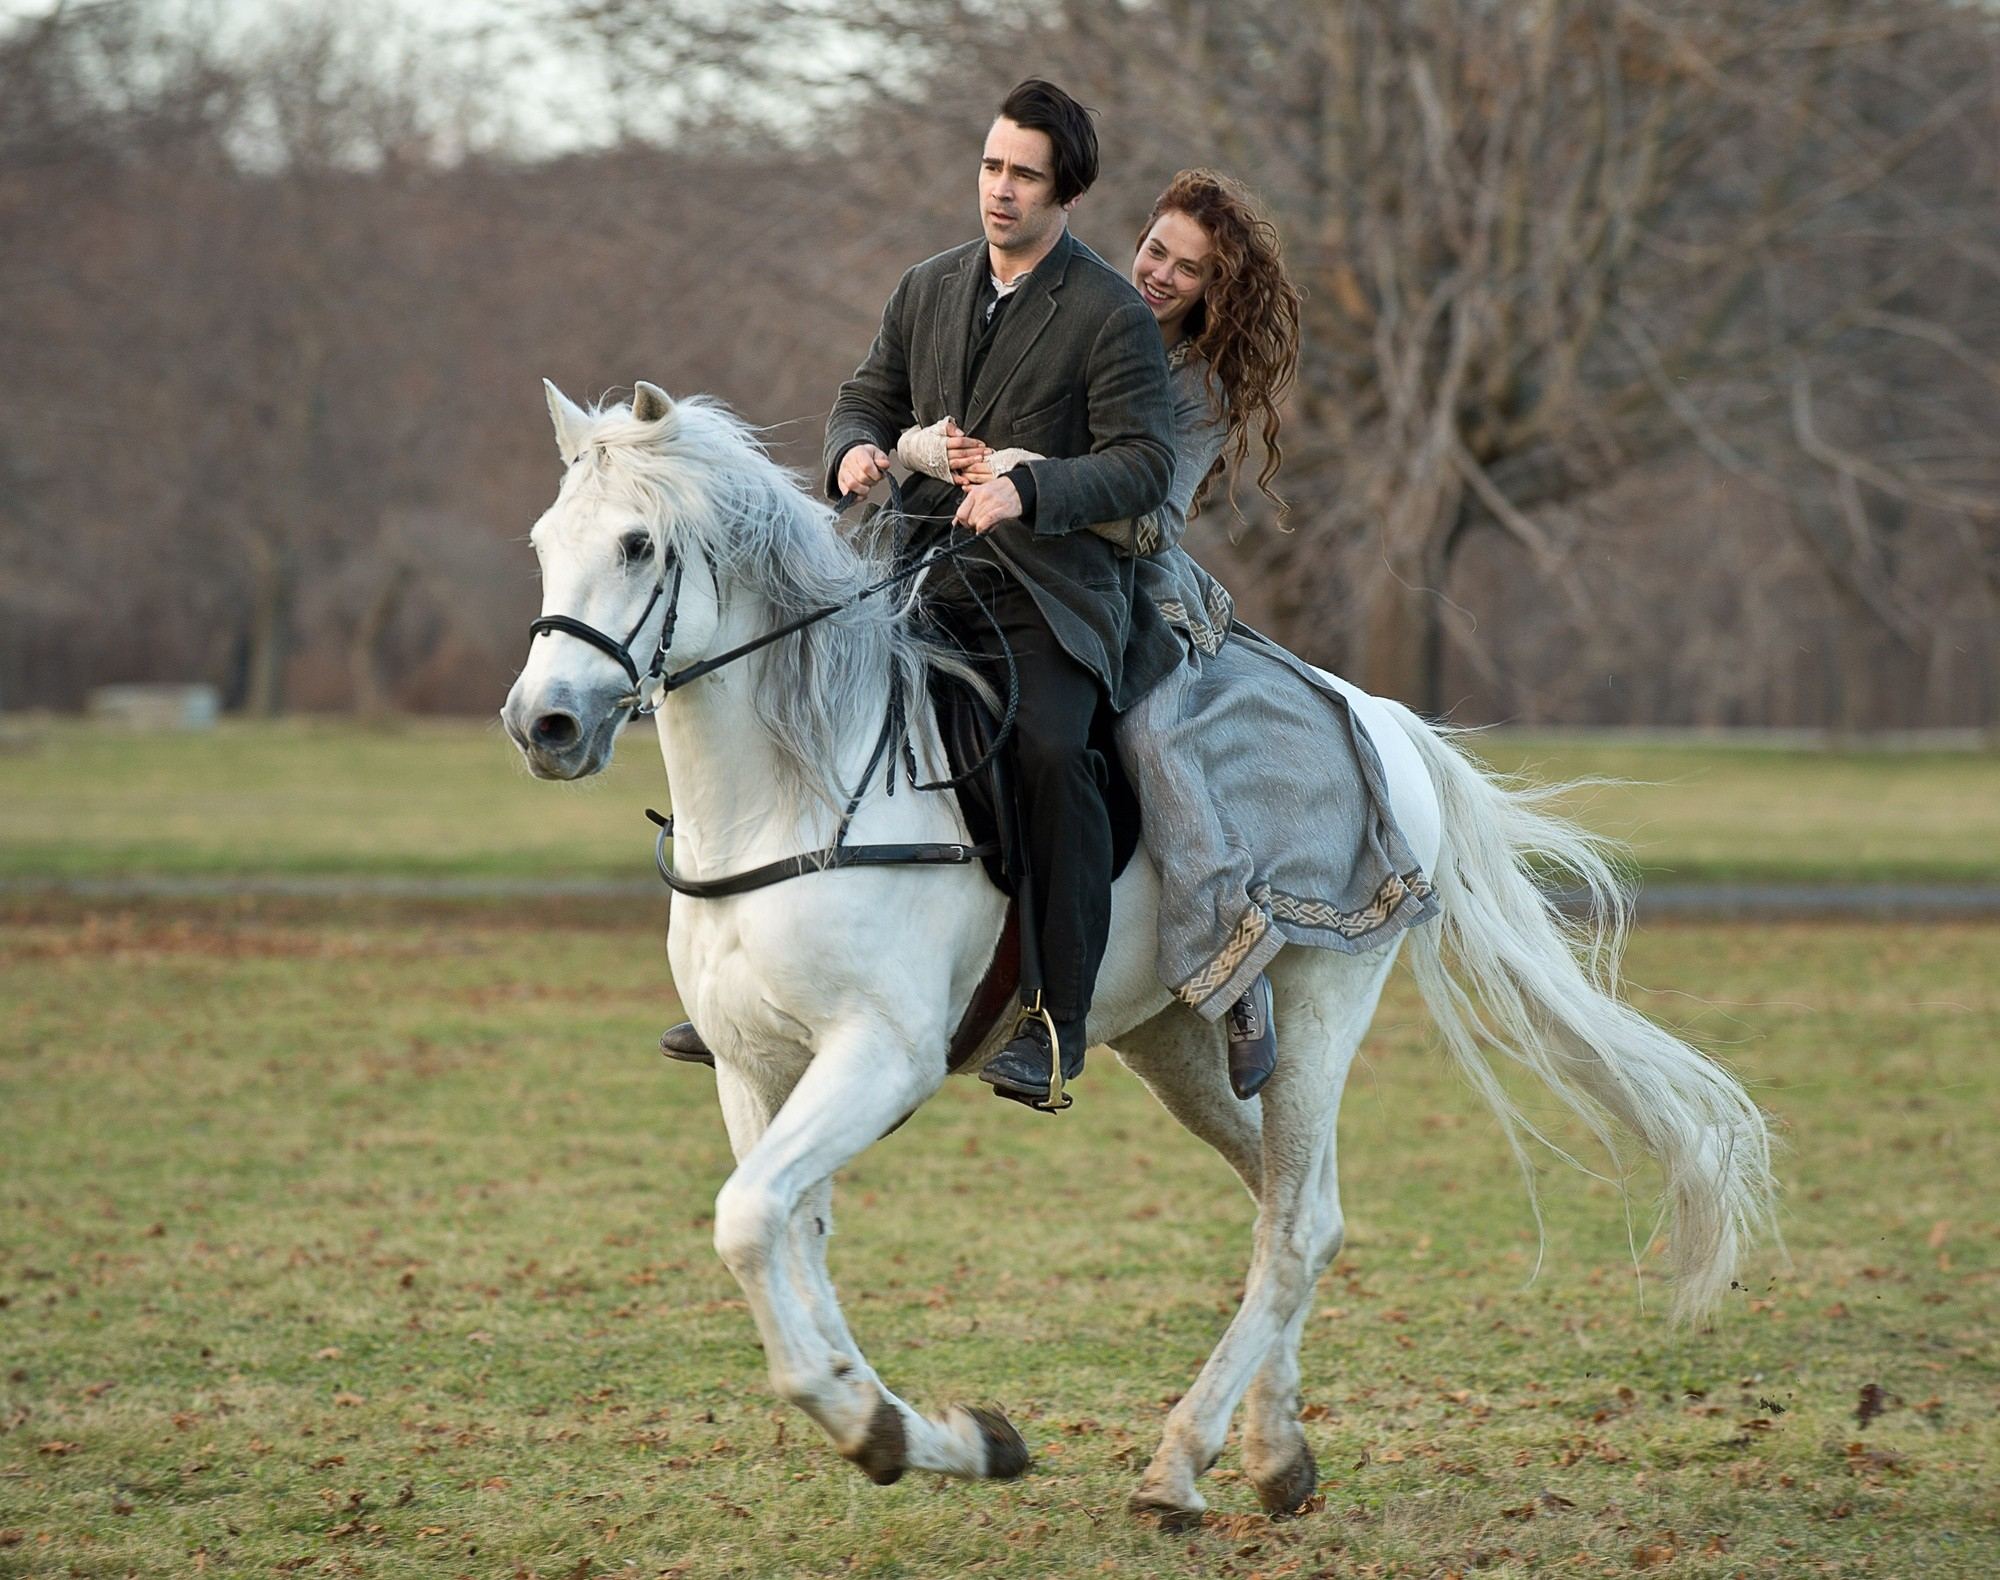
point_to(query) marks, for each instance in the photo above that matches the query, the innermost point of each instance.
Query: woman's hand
(966, 456)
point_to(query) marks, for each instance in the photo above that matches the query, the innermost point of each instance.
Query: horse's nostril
(558, 730)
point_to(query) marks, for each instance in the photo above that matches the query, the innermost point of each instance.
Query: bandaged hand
(948, 453)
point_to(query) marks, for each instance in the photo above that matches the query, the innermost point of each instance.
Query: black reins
(894, 724)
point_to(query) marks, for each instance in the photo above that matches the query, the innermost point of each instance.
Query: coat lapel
(951, 331)
(1019, 330)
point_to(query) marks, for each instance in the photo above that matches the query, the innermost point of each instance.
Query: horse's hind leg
(1184, 1062)
(1276, 1456)
(864, 1078)
(1324, 1004)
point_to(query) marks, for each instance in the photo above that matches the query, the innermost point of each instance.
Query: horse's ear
(571, 421)
(649, 402)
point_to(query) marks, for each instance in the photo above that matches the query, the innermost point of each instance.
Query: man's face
(1017, 190)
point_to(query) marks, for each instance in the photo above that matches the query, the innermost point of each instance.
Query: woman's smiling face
(1174, 265)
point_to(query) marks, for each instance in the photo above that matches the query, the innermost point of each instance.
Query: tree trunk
(1852, 649)
(1401, 644)
(371, 697)
(272, 591)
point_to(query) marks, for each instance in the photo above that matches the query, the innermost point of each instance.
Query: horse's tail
(1505, 967)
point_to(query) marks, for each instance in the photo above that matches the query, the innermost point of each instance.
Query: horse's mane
(704, 483)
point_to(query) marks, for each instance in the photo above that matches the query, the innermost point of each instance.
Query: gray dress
(1263, 801)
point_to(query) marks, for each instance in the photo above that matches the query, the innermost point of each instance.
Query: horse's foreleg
(863, 1079)
(747, 1108)
(812, 1229)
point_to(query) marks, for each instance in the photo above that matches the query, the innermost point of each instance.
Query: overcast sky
(557, 95)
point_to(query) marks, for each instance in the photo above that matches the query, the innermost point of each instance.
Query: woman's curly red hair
(1246, 326)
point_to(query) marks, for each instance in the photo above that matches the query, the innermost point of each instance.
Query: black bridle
(622, 651)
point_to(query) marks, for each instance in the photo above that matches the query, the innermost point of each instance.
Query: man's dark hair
(1043, 107)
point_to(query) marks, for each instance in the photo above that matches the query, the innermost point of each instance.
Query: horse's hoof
(1172, 1518)
(1006, 1454)
(884, 1452)
(1285, 1494)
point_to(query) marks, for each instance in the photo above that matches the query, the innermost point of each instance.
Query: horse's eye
(637, 547)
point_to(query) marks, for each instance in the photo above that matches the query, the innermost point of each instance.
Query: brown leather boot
(683, 1042)
(1253, 1040)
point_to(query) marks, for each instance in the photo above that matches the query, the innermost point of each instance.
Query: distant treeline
(1652, 353)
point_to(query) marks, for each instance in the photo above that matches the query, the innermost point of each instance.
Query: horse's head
(617, 590)
(677, 538)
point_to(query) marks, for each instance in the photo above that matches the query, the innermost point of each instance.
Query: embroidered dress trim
(1255, 940)
(1322, 917)
(1206, 634)
(1251, 927)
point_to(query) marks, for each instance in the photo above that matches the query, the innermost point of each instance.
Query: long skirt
(1266, 811)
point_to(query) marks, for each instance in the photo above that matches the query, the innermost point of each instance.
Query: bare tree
(1650, 361)
(1545, 245)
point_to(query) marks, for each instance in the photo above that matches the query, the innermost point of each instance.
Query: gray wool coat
(1077, 373)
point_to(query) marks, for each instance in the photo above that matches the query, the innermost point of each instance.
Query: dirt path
(1748, 900)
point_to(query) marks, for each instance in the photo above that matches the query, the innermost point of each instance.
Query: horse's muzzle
(555, 738)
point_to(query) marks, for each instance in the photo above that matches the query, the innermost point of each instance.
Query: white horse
(829, 999)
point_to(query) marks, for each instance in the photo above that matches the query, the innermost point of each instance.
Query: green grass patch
(377, 1244)
(1704, 811)
(437, 798)
(450, 799)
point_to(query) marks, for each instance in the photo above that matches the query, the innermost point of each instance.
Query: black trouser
(1061, 778)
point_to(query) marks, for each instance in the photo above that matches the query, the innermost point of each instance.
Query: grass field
(374, 1242)
(451, 799)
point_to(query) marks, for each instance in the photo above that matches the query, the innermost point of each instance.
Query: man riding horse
(1030, 339)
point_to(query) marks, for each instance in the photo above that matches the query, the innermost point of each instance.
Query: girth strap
(911, 855)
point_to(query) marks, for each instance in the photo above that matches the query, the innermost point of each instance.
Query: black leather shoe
(1021, 1069)
(683, 1042)
(1253, 1040)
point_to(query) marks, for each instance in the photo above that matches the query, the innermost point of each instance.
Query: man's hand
(965, 455)
(862, 468)
(986, 505)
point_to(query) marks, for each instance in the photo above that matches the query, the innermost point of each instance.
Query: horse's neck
(725, 779)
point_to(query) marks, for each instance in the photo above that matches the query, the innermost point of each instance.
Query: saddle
(989, 800)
